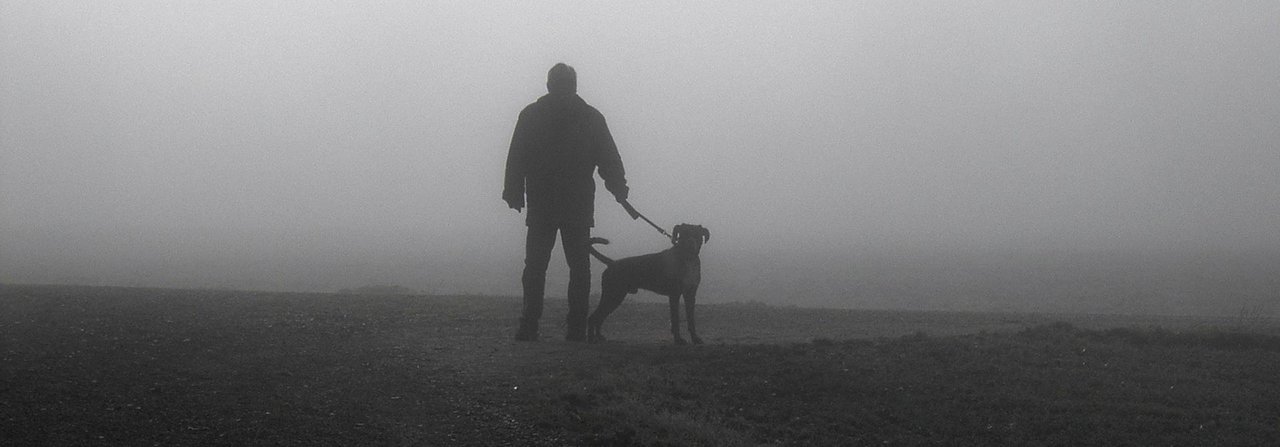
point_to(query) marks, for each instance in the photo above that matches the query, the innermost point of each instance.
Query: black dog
(674, 272)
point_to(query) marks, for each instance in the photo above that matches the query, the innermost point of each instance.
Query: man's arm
(609, 162)
(513, 183)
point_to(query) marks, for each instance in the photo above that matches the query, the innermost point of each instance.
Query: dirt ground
(127, 366)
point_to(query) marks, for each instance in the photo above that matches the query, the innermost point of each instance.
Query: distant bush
(749, 304)
(1216, 338)
(1158, 336)
(1056, 329)
(1254, 316)
(917, 336)
(379, 290)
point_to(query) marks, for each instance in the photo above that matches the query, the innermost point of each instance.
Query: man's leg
(576, 254)
(537, 253)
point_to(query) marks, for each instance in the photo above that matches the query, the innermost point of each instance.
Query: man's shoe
(577, 331)
(527, 332)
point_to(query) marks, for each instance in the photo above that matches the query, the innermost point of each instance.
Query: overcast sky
(298, 128)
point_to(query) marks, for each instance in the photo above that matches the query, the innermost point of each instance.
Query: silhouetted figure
(558, 141)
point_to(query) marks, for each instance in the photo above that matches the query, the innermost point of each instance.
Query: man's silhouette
(559, 140)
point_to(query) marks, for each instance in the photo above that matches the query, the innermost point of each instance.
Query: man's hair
(562, 79)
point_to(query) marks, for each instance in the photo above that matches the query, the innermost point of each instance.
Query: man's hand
(630, 209)
(621, 196)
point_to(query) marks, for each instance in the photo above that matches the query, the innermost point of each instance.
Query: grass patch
(1053, 384)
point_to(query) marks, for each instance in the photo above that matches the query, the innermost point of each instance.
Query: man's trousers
(538, 244)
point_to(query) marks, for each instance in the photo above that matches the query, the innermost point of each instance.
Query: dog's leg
(690, 299)
(674, 300)
(611, 295)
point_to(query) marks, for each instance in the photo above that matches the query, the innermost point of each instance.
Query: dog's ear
(706, 234)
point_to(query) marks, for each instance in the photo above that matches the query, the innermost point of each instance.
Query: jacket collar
(560, 97)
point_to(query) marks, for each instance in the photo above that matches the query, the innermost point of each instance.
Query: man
(558, 141)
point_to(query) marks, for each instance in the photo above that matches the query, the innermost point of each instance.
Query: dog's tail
(591, 245)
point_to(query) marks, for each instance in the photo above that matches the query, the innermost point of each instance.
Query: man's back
(562, 130)
(558, 142)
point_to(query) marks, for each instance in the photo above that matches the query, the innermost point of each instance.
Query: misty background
(1108, 157)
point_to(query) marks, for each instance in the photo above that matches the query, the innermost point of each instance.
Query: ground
(128, 366)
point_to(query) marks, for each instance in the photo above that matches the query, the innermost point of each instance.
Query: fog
(971, 155)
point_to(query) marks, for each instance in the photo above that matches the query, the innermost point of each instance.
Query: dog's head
(689, 238)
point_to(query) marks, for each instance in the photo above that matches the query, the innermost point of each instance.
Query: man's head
(562, 80)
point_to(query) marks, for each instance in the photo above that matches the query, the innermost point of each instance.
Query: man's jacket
(558, 143)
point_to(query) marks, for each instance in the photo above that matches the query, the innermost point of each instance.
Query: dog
(674, 272)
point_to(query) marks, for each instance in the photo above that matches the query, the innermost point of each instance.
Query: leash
(636, 214)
